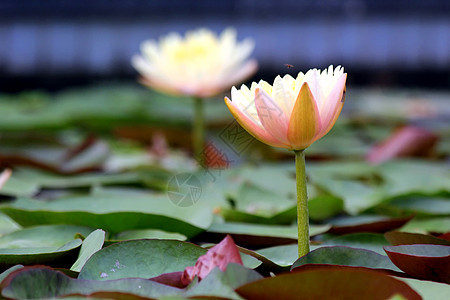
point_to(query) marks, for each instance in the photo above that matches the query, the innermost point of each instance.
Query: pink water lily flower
(294, 112)
(200, 64)
(219, 256)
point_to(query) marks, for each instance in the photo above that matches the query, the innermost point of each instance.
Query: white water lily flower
(200, 64)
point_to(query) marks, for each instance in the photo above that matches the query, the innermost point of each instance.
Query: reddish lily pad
(328, 282)
(422, 261)
(375, 224)
(407, 238)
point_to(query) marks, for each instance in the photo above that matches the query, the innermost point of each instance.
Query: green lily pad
(53, 256)
(428, 289)
(113, 214)
(366, 223)
(346, 256)
(4, 274)
(42, 236)
(397, 238)
(408, 176)
(17, 187)
(262, 235)
(425, 225)
(148, 234)
(368, 241)
(7, 225)
(140, 258)
(91, 244)
(357, 196)
(419, 205)
(45, 283)
(324, 207)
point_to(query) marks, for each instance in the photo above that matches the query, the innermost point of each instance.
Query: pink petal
(4, 176)
(272, 117)
(218, 256)
(331, 108)
(251, 126)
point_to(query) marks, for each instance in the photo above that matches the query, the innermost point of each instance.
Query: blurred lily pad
(42, 236)
(368, 241)
(57, 256)
(113, 213)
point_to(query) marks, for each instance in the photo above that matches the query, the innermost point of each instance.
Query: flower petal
(220, 255)
(305, 120)
(283, 93)
(271, 116)
(251, 126)
(330, 110)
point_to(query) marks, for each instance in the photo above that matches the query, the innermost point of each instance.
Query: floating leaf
(42, 236)
(7, 225)
(422, 261)
(282, 184)
(253, 204)
(428, 289)
(419, 205)
(148, 234)
(91, 244)
(408, 177)
(18, 187)
(140, 258)
(369, 241)
(262, 235)
(323, 207)
(45, 283)
(113, 213)
(406, 238)
(366, 223)
(87, 156)
(53, 256)
(440, 224)
(9, 271)
(50, 180)
(345, 256)
(357, 196)
(328, 282)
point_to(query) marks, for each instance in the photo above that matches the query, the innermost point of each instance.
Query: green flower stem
(198, 137)
(302, 204)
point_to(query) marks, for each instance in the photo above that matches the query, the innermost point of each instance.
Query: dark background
(55, 44)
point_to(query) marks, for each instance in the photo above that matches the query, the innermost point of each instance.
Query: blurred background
(56, 44)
